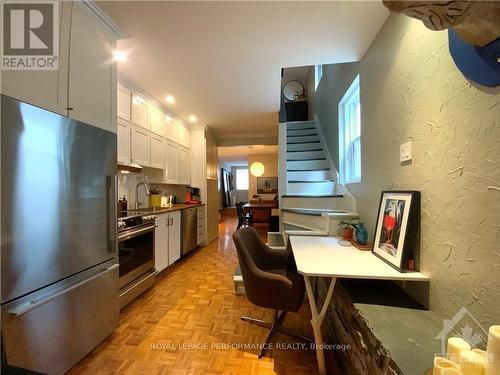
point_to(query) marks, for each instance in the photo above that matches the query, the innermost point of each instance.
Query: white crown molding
(125, 81)
(246, 135)
(94, 10)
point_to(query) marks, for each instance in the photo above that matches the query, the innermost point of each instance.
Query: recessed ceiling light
(170, 99)
(119, 56)
(193, 118)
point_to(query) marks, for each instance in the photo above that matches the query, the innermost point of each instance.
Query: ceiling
(238, 155)
(222, 60)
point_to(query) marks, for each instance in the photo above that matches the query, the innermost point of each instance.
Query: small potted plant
(347, 229)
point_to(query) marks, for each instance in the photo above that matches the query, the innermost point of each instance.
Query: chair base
(274, 327)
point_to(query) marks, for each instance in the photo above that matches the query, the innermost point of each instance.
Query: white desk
(324, 257)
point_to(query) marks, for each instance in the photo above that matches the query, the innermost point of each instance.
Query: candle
(471, 363)
(493, 351)
(442, 365)
(455, 346)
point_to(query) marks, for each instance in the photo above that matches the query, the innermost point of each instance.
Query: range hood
(129, 167)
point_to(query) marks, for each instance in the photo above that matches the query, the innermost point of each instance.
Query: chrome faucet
(137, 203)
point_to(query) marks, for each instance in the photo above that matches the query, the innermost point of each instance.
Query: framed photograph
(397, 227)
(267, 185)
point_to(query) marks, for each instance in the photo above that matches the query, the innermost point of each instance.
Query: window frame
(349, 159)
(237, 171)
(318, 74)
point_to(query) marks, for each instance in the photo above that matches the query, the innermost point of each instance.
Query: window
(318, 73)
(350, 135)
(242, 179)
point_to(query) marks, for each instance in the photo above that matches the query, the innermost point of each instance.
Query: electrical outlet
(405, 152)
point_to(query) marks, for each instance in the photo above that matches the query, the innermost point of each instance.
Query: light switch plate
(405, 152)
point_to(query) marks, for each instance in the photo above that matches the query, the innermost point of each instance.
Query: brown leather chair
(271, 280)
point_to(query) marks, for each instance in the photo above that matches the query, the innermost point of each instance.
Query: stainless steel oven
(136, 251)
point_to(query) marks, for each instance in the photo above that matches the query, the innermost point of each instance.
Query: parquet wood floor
(193, 304)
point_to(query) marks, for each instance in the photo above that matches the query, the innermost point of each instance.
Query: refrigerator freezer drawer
(56, 332)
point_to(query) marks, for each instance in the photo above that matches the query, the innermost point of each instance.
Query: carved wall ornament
(476, 22)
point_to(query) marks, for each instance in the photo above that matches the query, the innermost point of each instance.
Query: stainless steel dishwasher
(189, 227)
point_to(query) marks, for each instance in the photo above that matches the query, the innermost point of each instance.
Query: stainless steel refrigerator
(58, 238)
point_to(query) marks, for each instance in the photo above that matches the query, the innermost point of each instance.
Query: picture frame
(267, 185)
(397, 227)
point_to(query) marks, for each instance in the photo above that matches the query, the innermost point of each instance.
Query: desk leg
(317, 320)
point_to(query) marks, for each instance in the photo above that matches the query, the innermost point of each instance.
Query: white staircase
(311, 201)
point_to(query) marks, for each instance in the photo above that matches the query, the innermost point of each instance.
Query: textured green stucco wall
(412, 90)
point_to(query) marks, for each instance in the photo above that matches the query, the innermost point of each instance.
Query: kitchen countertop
(161, 210)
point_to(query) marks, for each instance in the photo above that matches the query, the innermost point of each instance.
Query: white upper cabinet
(171, 163)
(141, 146)
(156, 120)
(157, 151)
(123, 146)
(44, 88)
(184, 136)
(140, 112)
(171, 130)
(92, 74)
(123, 97)
(84, 86)
(184, 166)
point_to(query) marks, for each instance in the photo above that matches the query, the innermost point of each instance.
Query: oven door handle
(129, 235)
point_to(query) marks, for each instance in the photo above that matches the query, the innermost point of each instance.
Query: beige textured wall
(411, 90)
(270, 162)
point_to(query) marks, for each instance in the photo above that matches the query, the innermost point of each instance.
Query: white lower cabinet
(161, 242)
(167, 239)
(157, 151)
(201, 226)
(141, 146)
(174, 237)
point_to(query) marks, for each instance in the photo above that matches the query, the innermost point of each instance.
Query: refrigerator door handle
(31, 305)
(111, 217)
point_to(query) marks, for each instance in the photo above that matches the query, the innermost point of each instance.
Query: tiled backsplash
(128, 182)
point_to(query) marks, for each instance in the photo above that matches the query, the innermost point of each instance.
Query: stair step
(308, 182)
(305, 155)
(315, 149)
(300, 135)
(311, 188)
(305, 221)
(303, 146)
(300, 124)
(311, 211)
(320, 175)
(304, 165)
(334, 202)
(306, 159)
(302, 139)
(305, 131)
